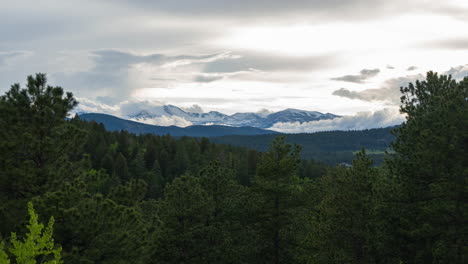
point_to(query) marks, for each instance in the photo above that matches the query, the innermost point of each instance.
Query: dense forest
(71, 191)
(330, 147)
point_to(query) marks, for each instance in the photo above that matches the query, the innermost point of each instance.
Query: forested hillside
(116, 197)
(332, 147)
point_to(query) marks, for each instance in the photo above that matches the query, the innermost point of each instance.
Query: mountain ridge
(114, 123)
(239, 119)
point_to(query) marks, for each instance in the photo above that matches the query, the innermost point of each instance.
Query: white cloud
(133, 107)
(458, 72)
(90, 106)
(165, 121)
(193, 109)
(127, 109)
(363, 75)
(362, 120)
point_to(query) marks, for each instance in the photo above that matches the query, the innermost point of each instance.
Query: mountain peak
(156, 114)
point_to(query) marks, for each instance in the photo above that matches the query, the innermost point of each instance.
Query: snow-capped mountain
(237, 120)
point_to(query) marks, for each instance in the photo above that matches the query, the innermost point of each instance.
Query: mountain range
(331, 147)
(258, 120)
(113, 123)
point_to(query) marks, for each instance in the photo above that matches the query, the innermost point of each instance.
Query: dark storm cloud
(360, 78)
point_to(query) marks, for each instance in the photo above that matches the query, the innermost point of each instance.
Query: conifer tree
(341, 222)
(183, 212)
(39, 148)
(431, 168)
(278, 187)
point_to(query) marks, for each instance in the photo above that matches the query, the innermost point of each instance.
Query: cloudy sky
(347, 57)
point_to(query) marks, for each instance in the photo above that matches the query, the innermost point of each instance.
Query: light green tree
(3, 256)
(37, 247)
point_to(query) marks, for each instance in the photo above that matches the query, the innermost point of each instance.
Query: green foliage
(431, 169)
(278, 187)
(37, 247)
(184, 212)
(39, 148)
(3, 256)
(95, 227)
(330, 147)
(124, 198)
(342, 219)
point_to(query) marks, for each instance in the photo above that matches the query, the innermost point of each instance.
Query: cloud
(389, 91)
(165, 121)
(450, 44)
(270, 62)
(128, 109)
(272, 9)
(412, 68)
(115, 74)
(458, 72)
(360, 78)
(203, 78)
(264, 112)
(90, 106)
(390, 67)
(7, 56)
(193, 109)
(362, 120)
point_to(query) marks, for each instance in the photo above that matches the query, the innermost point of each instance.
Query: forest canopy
(117, 197)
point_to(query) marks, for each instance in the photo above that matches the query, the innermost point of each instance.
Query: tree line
(115, 197)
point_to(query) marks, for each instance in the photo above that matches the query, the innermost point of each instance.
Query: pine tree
(183, 212)
(121, 168)
(341, 227)
(39, 148)
(278, 187)
(431, 168)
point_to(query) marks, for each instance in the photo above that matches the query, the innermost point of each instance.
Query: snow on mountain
(165, 113)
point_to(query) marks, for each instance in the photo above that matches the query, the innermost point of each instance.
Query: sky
(347, 57)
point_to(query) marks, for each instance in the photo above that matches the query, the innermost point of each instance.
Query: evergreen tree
(93, 227)
(39, 148)
(278, 187)
(121, 168)
(431, 167)
(183, 212)
(342, 220)
(229, 236)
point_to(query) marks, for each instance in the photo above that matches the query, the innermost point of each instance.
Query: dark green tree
(39, 148)
(93, 228)
(431, 168)
(183, 213)
(278, 187)
(229, 236)
(121, 168)
(342, 221)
